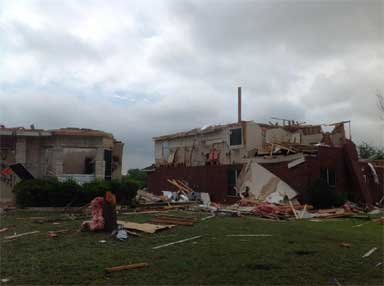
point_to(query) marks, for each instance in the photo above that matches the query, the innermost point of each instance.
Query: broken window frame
(231, 191)
(328, 175)
(234, 141)
(165, 150)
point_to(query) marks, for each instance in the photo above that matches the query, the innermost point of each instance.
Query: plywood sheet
(144, 227)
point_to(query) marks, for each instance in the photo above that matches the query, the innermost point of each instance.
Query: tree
(367, 151)
(137, 176)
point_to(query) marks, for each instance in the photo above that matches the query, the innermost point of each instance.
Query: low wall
(209, 179)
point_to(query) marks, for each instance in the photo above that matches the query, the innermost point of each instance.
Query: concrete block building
(80, 154)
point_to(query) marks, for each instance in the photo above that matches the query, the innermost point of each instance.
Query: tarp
(21, 171)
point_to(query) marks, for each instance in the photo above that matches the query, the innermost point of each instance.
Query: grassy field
(297, 253)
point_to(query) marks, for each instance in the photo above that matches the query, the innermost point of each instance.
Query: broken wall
(210, 179)
(79, 160)
(209, 148)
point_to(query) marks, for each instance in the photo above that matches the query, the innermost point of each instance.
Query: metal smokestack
(239, 104)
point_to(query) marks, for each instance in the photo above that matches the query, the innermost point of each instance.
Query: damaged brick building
(212, 159)
(80, 154)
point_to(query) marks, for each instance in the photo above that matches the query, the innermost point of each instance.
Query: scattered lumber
(3, 229)
(21, 234)
(177, 242)
(180, 185)
(126, 267)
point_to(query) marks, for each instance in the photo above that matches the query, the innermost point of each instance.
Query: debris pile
(182, 198)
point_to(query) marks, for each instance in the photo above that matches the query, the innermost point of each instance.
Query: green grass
(297, 253)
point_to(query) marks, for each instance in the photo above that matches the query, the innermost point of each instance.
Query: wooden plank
(176, 242)
(126, 267)
(296, 162)
(144, 227)
(21, 234)
(293, 209)
(369, 252)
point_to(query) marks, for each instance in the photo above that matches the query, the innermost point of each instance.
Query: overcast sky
(147, 68)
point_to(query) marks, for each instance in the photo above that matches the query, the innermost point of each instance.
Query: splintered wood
(181, 185)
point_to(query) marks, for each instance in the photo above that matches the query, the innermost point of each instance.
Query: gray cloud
(142, 69)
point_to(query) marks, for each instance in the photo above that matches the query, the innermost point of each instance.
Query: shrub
(34, 193)
(94, 189)
(124, 190)
(321, 195)
(68, 192)
(52, 193)
(136, 176)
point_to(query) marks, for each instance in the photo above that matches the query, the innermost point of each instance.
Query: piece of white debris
(369, 252)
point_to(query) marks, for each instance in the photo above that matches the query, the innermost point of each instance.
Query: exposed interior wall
(79, 160)
(7, 184)
(276, 135)
(207, 149)
(254, 136)
(311, 139)
(117, 159)
(33, 155)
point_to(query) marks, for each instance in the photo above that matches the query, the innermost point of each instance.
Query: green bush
(52, 193)
(69, 192)
(136, 176)
(94, 189)
(322, 196)
(35, 193)
(124, 190)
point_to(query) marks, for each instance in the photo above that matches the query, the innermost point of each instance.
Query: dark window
(331, 177)
(7, 142)
(108, 164)
(328, 176)
(235, 137)
(89, 166)
(232, 177)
